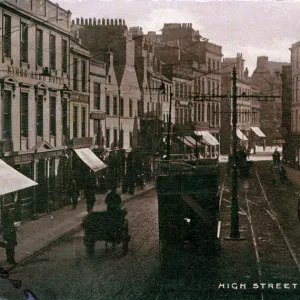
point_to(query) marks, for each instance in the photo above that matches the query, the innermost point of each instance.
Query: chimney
(262, 61)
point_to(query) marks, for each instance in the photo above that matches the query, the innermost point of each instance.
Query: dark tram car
(188, 212)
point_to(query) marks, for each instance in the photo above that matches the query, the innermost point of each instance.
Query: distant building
(267, 77)
(248, 115)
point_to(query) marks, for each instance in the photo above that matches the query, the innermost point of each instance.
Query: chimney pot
(82, 21)
(111, 22)
(77, 21)
(86, 22)
(103, 21)
(94, 22)
(90, 22)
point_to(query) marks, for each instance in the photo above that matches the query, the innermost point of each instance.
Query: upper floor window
(7, 36)
(39, 115)
(53, 115)
(64, 59)
(121, 106)
(107, 105)
(83, 121)
(39, 47)
(24, 42)
(83, 76)
(75, 122)
(75, 74)
(115, 106)
(52, 52)
(130, 107)
(96, 95)
(24, 114)
(6, 109)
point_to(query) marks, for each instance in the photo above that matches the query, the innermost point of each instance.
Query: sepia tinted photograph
(149, 150)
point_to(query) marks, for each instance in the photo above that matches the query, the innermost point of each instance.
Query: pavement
(35, 235)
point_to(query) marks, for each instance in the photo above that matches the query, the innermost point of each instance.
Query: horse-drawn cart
(110, 227)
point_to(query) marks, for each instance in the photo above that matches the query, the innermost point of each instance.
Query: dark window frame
(64, 54)
(107, 105)
(39, 115)
(7, 115)
(75, 74)
(97, 95)
(53, 115)
(52, 51)
(75, 121)
(24, 112)
(24, 42)
(7, 36)
(83, 121)
(83, 76)
(115, 106)
(121, 106)
(39, 47)
(107, 137)
(130, 108)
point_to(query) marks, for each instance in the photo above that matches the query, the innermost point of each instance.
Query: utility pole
(234, 216)
(234, 229)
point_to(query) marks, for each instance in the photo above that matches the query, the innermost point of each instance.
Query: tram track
(276, 257)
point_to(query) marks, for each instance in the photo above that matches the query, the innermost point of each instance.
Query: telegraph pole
(234, 229)
(234, 215)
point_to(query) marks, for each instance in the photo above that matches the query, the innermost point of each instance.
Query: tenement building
(248, 115)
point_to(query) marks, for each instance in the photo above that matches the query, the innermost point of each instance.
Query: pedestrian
(89, 191)
(74, 194)
(113, 201)
(282, 174)
(9, 235)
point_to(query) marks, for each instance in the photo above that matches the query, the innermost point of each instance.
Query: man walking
(89, 191)
(9, 235)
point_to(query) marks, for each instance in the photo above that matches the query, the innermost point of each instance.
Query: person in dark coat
(9, 235)
(90, 191)
(113, 201)
(74, 194)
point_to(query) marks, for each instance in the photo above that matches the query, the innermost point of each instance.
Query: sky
(253, 28)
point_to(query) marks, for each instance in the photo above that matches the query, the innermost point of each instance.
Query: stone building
(122, 95)
(267, 77)
(156, 89)
(290, 145)
(248, 115)
(34, 77)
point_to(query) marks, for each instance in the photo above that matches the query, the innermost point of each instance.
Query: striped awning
(257, 131)
(207, 138)
(240, 135)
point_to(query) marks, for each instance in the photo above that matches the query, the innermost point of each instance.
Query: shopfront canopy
(12, 180)
(207, 138)
(187, 141)
(240, 135)
(90, 159)
(257, 131)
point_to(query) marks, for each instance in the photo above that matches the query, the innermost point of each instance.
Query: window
(24, 114)
(121, 138)
(109, 79)
(121, 107)
(83, 75)
(64, 53)
(52, 52)
(39, 47)
(96, 95)
(115, 106)
(64, 117)
(39, 115)
(7, 114)
(75, 74)
(115, 137)
(83, 121)
(75, 122)
(130, 139)
(7, 36)
(53, 115)
(130, 107)
(148, 108)
(107, 137)
(24, 42)
(97, 132)
(107, 105)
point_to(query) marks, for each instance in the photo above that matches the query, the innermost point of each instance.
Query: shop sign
(98, 115)
(23, 158)
(24, 73)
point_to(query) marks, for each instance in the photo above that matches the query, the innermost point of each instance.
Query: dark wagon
(107, 227)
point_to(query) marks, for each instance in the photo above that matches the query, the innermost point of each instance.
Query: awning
(90, 159)
(188, 140)
(207, 138)
(240, 135)
(257, 131)
(12, 180)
